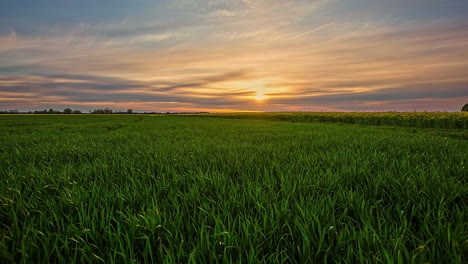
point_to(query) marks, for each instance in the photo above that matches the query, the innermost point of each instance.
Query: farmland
(193, 189)
(405, 119)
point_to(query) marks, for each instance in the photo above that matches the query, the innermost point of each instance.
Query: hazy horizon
(234, 55)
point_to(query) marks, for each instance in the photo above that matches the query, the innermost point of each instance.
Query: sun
(259, 96)
(257, 90)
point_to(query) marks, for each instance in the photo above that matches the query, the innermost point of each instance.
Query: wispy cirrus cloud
(222, 54)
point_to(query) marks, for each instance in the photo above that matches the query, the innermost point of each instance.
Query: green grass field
(439, 120)
(176, 189)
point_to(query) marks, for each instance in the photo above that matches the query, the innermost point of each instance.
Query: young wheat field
(192, 189)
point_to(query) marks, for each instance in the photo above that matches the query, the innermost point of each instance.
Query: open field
(183, 189)
(458, 120)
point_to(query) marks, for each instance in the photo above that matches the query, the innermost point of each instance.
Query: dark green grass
(439, 120)
(125, 189)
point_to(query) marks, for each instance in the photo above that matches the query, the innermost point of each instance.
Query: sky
(234, 55)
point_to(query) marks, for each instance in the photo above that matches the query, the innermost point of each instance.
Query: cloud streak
(222, 54)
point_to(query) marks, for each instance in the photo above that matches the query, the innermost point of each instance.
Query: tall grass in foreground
(125, 189)
(448, 120)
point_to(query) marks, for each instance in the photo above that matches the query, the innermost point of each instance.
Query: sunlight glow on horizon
(260, 96)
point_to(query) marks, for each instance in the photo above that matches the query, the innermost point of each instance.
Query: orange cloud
(229, 59)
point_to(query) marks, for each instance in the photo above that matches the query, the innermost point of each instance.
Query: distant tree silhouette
(102, 111)
(51, 111)
(465, 108)
(67, 111)
(130, 111)
(76, 112)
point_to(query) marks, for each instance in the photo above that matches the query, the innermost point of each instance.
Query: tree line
(68, 111)
(108, 111)
(52, 111)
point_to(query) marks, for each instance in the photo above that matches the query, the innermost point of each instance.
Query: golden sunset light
(233, 131)
(214, 54)
(259, 96)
